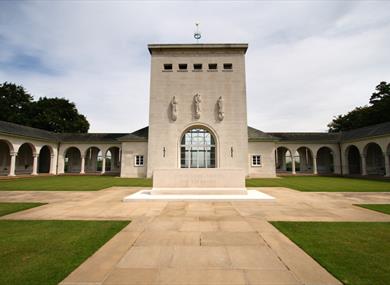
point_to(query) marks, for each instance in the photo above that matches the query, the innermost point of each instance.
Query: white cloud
(307, 61)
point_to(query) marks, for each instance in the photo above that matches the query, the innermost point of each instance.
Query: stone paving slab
(255, 257)
(230, 238)
(199, 226)
(302, 265)
(173, 276)
(130, 276)
(270, 277)
(147, 257)
(168, 238)
(96, 268)
(199, 242)
(201, 257)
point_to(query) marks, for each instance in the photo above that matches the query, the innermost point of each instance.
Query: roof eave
(310, 141)
(263, 140)
(92, 142)
(241, 46)
(133, 140)
(363, 138)
(30, 137)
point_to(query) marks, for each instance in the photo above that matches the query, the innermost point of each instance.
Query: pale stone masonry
(230, 134)
(197, 119)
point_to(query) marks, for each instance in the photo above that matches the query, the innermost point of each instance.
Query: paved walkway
(199, 242)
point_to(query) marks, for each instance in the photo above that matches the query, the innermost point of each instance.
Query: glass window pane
(197, 149)
(194, 160)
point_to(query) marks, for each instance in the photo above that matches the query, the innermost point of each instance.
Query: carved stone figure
(174, 109)
(197, 102)
(221, 109)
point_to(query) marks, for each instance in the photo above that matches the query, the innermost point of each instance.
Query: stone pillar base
(199, 191)
(199, 181)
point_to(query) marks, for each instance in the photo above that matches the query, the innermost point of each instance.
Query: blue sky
(307, 60)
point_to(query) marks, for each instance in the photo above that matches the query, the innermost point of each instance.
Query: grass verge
(383, 208)
(322, 184)
(94, 183)
(45, 252)
(356, 253)
(71, 183)
(9, 208)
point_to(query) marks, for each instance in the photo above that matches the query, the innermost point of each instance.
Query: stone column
(12, 164)
(345, 169)
(103, 165)
(52, 165)
(293, 164)
(82, 171)
(284, 168)
(343, 161)
(302, 161)
(337, 164)
(35, 164)
(114, 160)
(315, 165)
(364, 166)
(387, 165)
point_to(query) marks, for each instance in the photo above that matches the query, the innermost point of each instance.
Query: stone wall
(129, 151)
(267, 152)
(165, 133)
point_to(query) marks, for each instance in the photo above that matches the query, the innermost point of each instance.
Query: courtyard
(250, 147)
(311, 236)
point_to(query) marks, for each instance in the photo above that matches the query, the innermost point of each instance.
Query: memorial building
(197, 135)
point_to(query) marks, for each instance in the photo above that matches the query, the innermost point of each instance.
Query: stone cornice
(239, 47)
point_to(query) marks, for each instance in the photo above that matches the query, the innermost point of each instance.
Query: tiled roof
(142, 134)
(257, 135)
(365, 132)
(20, 130)
(370, 131)
(139, 135)
(312, 137)
(90, 137)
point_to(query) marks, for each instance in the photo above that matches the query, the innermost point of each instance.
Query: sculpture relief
(174, 109)
(197, 102)
(221, 110)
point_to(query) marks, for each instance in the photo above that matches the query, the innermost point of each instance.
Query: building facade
(197, 120)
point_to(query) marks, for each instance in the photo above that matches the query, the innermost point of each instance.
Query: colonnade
(92, 160)
(367, 159)
(364, 158)
(306, 159)
(26, 158)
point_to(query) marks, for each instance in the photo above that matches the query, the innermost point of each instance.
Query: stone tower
(197, 86)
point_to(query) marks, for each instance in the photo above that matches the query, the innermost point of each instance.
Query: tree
(375, 113)
(57, 115)
(52, 114)
(383, 93)
(14, 103)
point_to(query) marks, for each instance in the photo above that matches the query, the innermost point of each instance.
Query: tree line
(52, 114)
(61, 116)
(378, 111)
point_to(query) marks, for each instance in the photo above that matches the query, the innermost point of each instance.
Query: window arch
(197, 149)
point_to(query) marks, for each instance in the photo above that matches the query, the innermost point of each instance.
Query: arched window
(197, 149)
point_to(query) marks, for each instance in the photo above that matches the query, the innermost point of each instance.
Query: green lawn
(45, 252)
(384, 208)
(71, 183)
(356, 253)
(322, 184)
(8, 208)
(93, 183)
